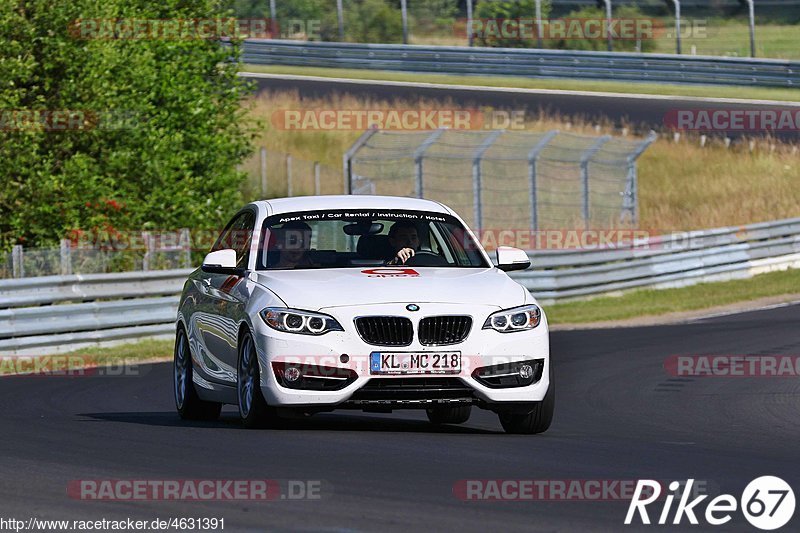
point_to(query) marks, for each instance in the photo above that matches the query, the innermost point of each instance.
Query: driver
(293, 240)
(404, 240)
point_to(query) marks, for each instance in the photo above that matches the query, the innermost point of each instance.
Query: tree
(155, 123)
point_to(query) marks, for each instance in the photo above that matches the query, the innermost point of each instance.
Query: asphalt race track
(619, 416)
(642, 113)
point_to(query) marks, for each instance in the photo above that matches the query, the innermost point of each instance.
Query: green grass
(146, 349)
(123, 354)
(709, 36)
(732, 38)
(658, 302)
(713, 91)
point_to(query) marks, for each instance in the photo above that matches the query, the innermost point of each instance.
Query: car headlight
(296, 321)
(516, 319)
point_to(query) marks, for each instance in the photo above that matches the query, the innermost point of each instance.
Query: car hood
(316, 289)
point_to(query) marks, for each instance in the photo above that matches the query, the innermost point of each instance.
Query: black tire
(254, 411)
(447, 414)
(187, 402)
(536, 421)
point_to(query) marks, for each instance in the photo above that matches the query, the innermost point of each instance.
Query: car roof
(355, 201)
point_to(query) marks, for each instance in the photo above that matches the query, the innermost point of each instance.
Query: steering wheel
(426, 258)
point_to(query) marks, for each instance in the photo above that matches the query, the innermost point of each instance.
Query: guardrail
(63, 312)
(527, 62)
(675, 260)
(55, 313)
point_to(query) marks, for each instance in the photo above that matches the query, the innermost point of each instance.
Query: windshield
(358, 238)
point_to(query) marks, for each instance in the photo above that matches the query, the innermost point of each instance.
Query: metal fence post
(273, 22)
(317, 185)
(404, 20)
(677, 4)
(608, 25)
(585, 157)
(347, 158)
(289, 190)
(539, 24)
(148, 250)
(628, 199)
(477, 186)
(263, 172)
(340, 19)
(17, 261)
(630, 202)
(419, 154)
(469, 23)
(533, 157)
(752, 17)
(347, 172)
(66, 257)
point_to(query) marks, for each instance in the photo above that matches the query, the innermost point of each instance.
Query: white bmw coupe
(374, 303)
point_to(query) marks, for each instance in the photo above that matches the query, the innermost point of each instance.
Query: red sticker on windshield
(390, 272)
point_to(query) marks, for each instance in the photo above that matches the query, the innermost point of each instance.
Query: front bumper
(481, 348)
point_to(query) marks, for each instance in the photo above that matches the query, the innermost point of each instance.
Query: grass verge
(660, 302)
(628, 87)
(713, 36)
(120, 355)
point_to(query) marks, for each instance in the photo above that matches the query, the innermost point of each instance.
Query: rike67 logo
(767, 503)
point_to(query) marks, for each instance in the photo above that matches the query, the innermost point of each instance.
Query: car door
(223, 303)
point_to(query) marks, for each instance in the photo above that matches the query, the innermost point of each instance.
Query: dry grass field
(682, 185)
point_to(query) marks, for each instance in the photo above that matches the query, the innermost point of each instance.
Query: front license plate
(415, 363)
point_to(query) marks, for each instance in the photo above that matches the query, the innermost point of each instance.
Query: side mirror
(220, 262)
(509, 259)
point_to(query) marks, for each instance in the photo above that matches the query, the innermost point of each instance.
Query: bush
(365, 21)
(515, 10)
(163, 128)
(526, 10)
(619, 45)
(430, 16)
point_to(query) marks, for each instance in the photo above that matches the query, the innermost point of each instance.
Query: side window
(242, 237)
(238, 236)
(224, 237)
